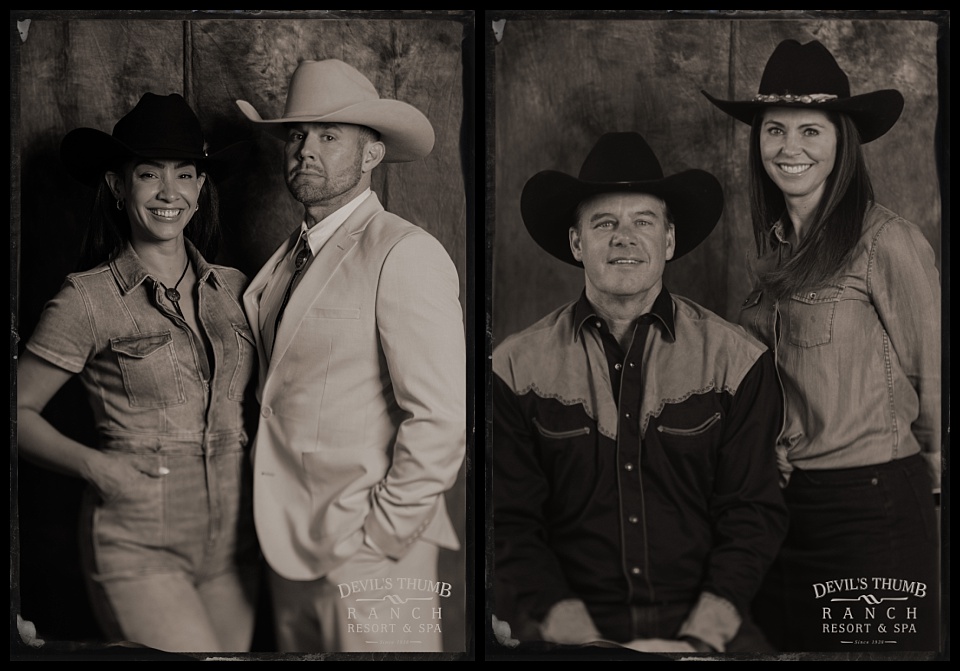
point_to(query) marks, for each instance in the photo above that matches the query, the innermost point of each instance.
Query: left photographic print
(242, 343)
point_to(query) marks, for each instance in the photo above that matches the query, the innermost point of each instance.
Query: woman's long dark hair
(837, 221)
(109, 229)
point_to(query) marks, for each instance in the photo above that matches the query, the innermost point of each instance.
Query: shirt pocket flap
(696, 428)
(141, 346)
(826, 294)
(560, 433)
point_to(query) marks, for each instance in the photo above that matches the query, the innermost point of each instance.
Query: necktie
(299, 261)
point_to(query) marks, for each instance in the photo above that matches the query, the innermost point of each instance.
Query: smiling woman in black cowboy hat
(159, 339)
(635, 493)
(848, 298)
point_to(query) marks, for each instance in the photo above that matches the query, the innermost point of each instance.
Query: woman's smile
(166, 213)
(794, 169)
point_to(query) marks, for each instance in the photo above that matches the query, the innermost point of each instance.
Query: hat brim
(872, 113)
(87, 153)
(550, 199)
(404, 130)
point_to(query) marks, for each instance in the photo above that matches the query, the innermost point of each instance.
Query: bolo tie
(298, 263)
(172, 294)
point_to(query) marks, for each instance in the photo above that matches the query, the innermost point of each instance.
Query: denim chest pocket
(246, 362)
(810, 316)
(150, 370)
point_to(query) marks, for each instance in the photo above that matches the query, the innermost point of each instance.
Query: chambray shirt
(150, 381)
(634, 478)
(859, 357)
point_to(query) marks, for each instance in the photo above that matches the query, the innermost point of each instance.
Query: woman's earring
(119, 203)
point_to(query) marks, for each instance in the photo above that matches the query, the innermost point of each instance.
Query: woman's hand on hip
(116, 475)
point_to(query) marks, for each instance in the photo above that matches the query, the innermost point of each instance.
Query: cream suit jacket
(362, 423)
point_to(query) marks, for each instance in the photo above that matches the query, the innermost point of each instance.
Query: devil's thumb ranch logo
(394, 610)
(870, 610)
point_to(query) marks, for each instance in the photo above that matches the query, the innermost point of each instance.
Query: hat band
(790, 98)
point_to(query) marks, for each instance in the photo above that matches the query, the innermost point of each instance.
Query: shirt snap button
(628, 466)
(633, 519)
(813, 294)
(874, 481)
(636, 570)
(617, 366)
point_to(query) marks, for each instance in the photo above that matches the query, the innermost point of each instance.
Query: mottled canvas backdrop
(560, 84)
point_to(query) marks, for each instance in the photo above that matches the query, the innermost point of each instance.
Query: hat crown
(621, 157)
(803, 69)
(161, 123)
(322, 87)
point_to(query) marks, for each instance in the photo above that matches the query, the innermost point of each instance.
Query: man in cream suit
(362, 388)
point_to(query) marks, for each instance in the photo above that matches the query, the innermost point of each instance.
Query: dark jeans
(858, 570)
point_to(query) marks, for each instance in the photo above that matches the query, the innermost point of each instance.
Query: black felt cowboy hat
(619, 162)
(162, 127)
(808, 76)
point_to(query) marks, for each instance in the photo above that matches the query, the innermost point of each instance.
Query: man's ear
(575, 243)
(373, 153)
(671, 242)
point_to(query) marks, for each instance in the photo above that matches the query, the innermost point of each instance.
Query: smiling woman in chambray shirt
(847, 298)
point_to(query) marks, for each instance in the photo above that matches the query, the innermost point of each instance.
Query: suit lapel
(254, 293)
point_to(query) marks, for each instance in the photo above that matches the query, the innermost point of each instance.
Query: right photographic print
(718, 326)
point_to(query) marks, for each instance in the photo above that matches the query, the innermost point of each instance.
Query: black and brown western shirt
(638, 477)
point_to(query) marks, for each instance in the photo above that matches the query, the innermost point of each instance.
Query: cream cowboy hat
(330, 91)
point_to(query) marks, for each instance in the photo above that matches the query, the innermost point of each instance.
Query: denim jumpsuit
(162, 397)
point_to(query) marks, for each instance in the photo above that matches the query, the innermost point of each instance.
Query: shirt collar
(778, 238)
(130, 272)
(661, 313)
(779, 233)
(324, 229)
